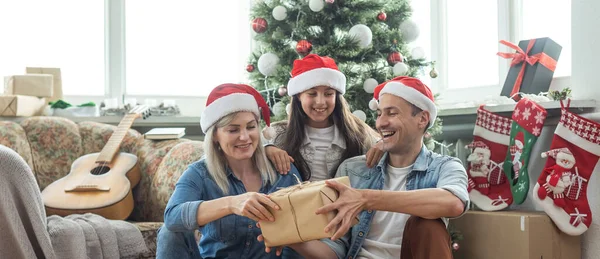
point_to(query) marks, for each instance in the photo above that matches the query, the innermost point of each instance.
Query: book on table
(165, 133)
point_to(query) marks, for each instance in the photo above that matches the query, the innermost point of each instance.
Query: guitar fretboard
(113, 144)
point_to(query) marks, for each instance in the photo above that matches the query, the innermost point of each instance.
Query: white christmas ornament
(278, 108)
(316, 5)
(373, 104)
(417, 53)
(288, 109)
(369, 85)
(267, 63)
(360, 114)
(362, 33)
(400, 69)
(410, 31)
(279, 13)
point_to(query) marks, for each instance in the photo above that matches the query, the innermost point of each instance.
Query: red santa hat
(410, 89)
(314, 70)
(229, 98)
(559, 153)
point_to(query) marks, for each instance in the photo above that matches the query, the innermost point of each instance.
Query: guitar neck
(113, 144)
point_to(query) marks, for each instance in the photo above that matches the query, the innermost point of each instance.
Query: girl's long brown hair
(356, 133)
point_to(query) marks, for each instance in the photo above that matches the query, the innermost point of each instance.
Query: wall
(585, 81)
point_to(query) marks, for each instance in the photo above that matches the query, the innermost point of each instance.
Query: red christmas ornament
(303, 47)
(394, 57)
(382, 16)
(259, 25)
(250, 68)
(455, 246)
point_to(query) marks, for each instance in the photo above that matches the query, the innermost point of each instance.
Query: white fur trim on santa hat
(413, 96)
(316, 77)
(219, 108)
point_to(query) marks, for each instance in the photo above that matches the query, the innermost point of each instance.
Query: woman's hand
(280, 158)
(253, 205)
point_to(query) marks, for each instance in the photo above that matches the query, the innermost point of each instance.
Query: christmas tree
(367, 38)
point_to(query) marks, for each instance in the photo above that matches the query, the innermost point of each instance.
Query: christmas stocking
(528, 120)
(488, 187)
(561, 188)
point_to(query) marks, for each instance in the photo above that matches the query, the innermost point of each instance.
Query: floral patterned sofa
(51, 144)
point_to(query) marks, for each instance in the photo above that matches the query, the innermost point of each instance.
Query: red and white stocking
(488, 188)
(561, 188)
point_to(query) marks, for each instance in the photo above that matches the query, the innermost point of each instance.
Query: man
(405, 201)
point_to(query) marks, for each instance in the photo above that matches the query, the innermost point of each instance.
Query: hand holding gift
(297, 220)
(253, 205)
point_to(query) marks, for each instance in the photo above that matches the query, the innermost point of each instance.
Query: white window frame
(509, 28)
(511, 10)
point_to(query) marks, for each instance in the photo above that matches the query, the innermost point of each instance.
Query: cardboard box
(513, 235)
(57, 92)
(537, 77)
(33, 85)
(21, 105)
(296, 221)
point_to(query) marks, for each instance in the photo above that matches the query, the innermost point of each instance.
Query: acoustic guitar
(99, 183)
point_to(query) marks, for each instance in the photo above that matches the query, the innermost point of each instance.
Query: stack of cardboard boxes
(29, 94)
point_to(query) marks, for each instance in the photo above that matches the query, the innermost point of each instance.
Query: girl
(321, 131)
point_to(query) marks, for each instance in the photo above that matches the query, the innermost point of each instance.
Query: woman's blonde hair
(217, 163)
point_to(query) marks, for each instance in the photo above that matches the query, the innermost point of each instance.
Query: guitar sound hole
(99, 170)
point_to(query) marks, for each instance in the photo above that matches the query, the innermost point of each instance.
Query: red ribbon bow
(523, 56)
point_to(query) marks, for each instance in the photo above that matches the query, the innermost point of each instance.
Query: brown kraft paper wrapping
(296, 221)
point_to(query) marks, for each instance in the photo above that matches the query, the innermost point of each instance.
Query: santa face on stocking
(480, 161)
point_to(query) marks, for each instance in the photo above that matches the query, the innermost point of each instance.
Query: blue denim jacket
(232, 236)
(430, 170)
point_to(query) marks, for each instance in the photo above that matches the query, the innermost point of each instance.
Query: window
(185, 47)
(52, 34)
(472, 43)
(465, 38)
(536, 25)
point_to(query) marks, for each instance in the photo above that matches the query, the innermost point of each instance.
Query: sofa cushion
(151, 154)
(95, 135)
(55, 143)
(168, 173)
(13, 136)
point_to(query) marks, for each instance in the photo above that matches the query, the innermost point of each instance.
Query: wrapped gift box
(513, 234)
(21, 105)
(57, 92)
(535, 78)
(33, 85)
(296, 221)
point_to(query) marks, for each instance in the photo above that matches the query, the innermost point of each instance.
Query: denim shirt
(232, 236)
(430, 170)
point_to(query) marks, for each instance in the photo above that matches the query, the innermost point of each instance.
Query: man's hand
(349, 204)
(280, 158)
(260, 238)
(374, 154)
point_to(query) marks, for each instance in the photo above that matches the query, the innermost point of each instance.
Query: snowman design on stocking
(516, 151)
(480, 162)
(559, 175)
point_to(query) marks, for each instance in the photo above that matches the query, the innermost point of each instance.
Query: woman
(320, 123)
(224, 193)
